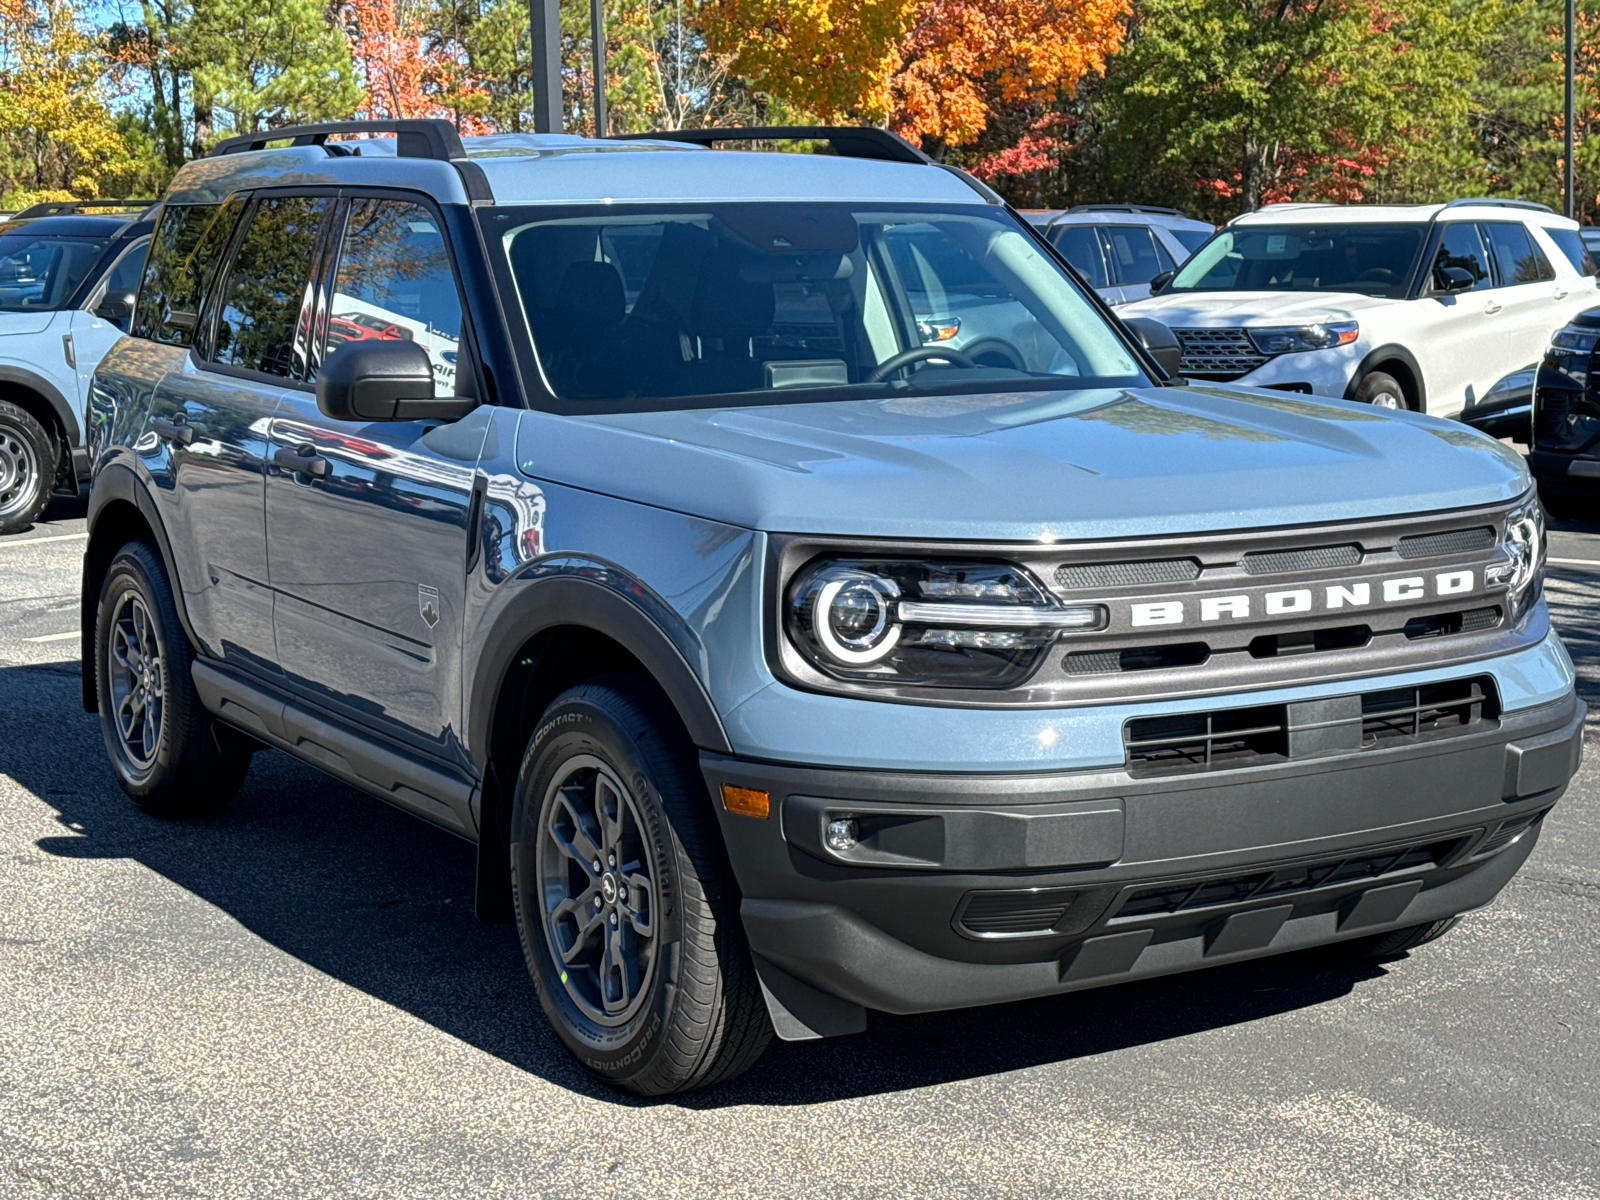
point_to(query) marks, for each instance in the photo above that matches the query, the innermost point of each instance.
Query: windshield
(41, 272)
(1376, 260)
(792, 303)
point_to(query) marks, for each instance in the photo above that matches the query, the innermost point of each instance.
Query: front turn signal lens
(747, 802)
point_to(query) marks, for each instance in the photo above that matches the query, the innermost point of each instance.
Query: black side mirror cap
(1454, 279)
(1160, 280)
(116, 306)
(383, 380)
(1159, 342)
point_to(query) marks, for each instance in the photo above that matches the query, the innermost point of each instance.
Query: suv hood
(1021, 467)
(1198, 310)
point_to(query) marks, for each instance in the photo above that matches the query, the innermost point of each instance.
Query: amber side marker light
(747, 802)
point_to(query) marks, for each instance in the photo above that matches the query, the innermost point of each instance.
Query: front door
(367, 521)
(1466, 334)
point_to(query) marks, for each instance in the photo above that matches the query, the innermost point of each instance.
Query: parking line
(55, 637)
(57, 537)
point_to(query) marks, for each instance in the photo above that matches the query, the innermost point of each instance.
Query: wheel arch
(1396, 361)
(120, 511)
(43, 400)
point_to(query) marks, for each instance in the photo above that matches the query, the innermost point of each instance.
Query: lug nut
(612, 859)
(597, 866)
(613, 918)
(597, 902)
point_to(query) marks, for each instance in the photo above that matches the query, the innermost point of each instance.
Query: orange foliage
(406, 69)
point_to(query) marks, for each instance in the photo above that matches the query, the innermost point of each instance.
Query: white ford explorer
(1423, 307)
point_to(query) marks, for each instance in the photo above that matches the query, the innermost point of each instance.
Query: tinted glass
(781, 301)
(1376, 260)
(166, 312)
(1515, 255)
(394, 282)
(1080, 247)
(1132, 251)
(125, 275)
(1572, 246)
(38, 271)
(1191, 239)
(1460, 246)
(260, 306)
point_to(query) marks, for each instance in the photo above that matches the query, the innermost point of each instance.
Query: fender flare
(116, 481)
(52, 396)
(566, 599)
(1381, 354)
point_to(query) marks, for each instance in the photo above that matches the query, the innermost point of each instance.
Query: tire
(1381, 391)
(1566, 506)
(163, 748)
(1398, 941)
(670, 1001)
(27, 468)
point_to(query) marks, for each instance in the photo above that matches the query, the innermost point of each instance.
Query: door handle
(302, 460)
(176, 430)
(1561, 293)
(1491, 306)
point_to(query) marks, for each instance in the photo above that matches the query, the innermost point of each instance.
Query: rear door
(1527, 290)
(1460, 344)
(368, 547)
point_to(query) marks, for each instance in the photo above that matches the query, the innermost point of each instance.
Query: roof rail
(1131, 208)
(848, 141)
(1496, 202)
(419, 138)
(65, 208)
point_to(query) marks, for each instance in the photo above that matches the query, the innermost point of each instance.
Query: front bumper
(1148, 876)
(1563, 473)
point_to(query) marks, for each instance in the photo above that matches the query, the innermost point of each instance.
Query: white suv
(1424, 307)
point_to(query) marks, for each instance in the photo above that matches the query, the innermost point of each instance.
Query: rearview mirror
(382, 380)
(1160, 280)
(116, 306)
(1453, 279)
(1159, 343)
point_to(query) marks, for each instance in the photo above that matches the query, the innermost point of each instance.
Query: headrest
(728, 307)
(591, 295)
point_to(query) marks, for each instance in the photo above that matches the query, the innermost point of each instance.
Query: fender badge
(428, 604)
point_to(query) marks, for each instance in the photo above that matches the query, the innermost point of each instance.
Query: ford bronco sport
(618, 506)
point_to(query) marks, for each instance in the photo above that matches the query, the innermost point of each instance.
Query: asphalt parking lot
(295, 1000)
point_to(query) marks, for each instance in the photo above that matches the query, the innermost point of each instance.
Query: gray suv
(622, 507)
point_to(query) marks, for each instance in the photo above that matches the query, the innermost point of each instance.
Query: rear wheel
(1381, 391)
(166, 753)
(626, 907)
(27, 468)
(1398, 941)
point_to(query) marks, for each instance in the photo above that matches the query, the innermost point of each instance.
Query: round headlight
(852, 616)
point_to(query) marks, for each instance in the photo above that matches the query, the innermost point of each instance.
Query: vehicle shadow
(383, 903)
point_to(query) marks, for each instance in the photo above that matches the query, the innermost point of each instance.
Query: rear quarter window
(1570, 243)
(164, 292)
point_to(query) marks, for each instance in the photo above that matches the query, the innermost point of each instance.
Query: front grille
(1553, 408)
(1456, 541)
(1506, 833)
(1075, 576)
(1137, 658)
(1166, 898)
(1218, 353)
(1278, 562)
(1246, 737)
(1003, 914)
(1474, 620)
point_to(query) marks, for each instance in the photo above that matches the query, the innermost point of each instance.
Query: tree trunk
(1250, 177)
(202, 125)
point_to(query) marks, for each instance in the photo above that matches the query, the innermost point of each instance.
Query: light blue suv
(618, 507)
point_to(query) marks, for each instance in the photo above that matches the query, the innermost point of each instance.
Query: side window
(1080, 247)
(1515, 255)
(1461, 247)
(259, 307)
(1132, 252)
(394, 282)
(125, 276)
(165, 312)
(1571, 245)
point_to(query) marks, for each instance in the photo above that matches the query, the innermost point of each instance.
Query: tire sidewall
(44, 453)
(1379, 381)
(579, 726)
(128, 574)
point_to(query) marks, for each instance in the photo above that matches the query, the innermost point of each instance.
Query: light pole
(597, 35)
(1569, 184)
(544, 21)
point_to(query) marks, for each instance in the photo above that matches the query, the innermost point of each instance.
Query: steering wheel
(998, 347)
(916, 354)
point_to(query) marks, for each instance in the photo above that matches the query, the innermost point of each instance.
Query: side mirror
(382, 380)
(116, 306)
(1454, 279)
(1159, 343)
(1160, 280)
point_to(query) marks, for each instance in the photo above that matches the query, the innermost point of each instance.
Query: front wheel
(1381, 391)
(625, 904)
(1399, 941)
(27, 468)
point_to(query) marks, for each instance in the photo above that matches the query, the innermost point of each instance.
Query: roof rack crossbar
(1497, 202)
(414, 138)
(63, 208)
(1130, 208)
(847, 141)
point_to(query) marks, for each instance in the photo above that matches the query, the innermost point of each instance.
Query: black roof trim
(72, 208)
(420, 138)
(1132, 208)
(848, 141)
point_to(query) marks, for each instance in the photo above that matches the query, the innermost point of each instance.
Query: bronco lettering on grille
(1280, 602)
